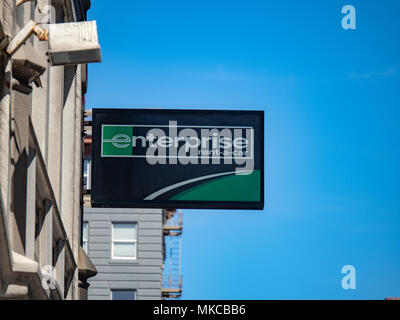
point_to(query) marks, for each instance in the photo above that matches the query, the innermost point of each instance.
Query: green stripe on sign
(231, 188)
(117, 140)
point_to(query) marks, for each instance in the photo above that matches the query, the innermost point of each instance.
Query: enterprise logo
(120, 141)
(177, 144)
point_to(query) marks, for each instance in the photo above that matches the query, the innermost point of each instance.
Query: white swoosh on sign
(183, 183)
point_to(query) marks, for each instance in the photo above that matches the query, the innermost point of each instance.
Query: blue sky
(331, 98)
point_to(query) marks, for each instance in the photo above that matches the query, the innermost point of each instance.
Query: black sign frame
(116, 115)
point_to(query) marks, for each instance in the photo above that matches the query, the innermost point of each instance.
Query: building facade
(41, 125)
(135, 251)
(126, 246)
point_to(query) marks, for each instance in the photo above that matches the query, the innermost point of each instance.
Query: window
(86, 174)
(124, 237)
(85, 237)
(123, 295)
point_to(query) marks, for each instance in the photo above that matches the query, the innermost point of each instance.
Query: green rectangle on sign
(117, 140)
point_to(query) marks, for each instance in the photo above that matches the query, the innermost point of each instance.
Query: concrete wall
(143, 275)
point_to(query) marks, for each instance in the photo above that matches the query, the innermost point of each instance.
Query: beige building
(41, 130)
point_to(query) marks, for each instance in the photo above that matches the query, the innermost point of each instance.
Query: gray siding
(143, 274)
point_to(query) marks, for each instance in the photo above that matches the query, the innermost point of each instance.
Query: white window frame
(87, 173)
(123, 241)
(87, 239)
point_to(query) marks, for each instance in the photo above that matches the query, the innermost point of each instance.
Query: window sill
(123, 261)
